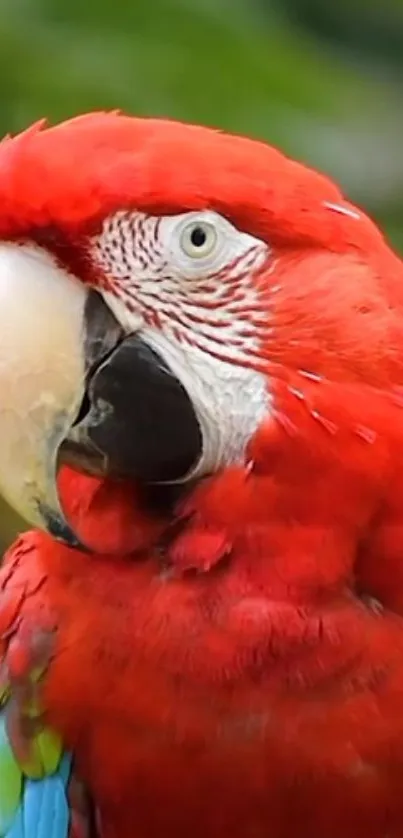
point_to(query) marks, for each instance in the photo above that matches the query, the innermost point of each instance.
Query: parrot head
(157, 281)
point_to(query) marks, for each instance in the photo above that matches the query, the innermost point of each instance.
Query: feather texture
(33, 808)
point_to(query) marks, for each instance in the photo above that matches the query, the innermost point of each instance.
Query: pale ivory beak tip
(42, 379)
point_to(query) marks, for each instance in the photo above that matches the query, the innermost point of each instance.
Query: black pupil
(198, 237)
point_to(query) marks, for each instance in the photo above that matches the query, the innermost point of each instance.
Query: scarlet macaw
(215, 334)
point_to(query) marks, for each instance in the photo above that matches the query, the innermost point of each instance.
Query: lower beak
(74, 389)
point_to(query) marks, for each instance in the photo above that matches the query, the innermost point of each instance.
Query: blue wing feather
(42, 810)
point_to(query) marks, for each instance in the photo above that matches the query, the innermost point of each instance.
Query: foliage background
(320, 78)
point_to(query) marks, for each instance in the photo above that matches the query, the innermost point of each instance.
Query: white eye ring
(198, 239)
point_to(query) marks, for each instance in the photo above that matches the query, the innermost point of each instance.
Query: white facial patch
(189, 284)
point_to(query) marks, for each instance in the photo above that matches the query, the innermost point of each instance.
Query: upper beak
(75, 389)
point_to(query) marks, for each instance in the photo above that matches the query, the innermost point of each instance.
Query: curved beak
(75, 389)
(48, 338)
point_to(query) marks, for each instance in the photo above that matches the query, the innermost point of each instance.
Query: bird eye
(198, 239)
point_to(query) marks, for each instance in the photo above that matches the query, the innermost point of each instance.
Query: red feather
(265, 696)
(235, 668)
(67, 178)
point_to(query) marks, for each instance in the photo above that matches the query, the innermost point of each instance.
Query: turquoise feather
(32, 808)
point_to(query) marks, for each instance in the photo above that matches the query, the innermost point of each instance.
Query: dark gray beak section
(139, 422)
(101, 334)
(136, 420)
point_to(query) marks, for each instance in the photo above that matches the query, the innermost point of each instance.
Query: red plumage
(239, 673)
(71, 176)
(260, 696)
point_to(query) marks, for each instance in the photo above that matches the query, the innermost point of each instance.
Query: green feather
(4, 694)
(33, 756)
(45, 751)
(10, 781)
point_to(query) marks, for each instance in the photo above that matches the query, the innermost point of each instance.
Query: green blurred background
(323, 79)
